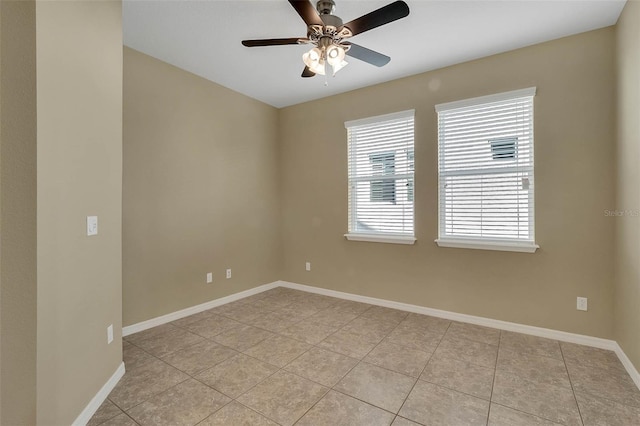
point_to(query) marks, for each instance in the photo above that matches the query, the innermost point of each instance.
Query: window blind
(485, 163)
(381, 165)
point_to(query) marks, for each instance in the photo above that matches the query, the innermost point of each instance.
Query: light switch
(92, 225)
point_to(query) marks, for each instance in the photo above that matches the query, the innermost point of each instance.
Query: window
(380, 157)
(485, 164)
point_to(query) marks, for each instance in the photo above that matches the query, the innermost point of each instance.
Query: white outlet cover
(92, 225)
(209, 277)
(308, 266)
(228, 273)
(110, 334)
(581, 304)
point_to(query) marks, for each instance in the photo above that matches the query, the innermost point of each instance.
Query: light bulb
(313, 60)
(335, 55)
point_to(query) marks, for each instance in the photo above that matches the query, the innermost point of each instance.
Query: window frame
(487, 243)
(380, 237)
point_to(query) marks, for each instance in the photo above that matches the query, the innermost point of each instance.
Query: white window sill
(488, 245)
(391, 239)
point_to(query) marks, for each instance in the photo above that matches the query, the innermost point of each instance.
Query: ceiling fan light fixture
(338, 66)
(313, 59)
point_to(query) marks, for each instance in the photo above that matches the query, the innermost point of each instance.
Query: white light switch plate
(307, 266)
(209, 277)
(92, 225)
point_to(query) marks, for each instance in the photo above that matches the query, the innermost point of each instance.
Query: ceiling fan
(327, 34)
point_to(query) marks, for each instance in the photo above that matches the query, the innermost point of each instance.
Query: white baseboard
(100, 397)
(471, 319)
(562, 336)
(153, 322)
(628, 365)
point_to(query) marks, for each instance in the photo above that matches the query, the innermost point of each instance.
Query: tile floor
(287, 357)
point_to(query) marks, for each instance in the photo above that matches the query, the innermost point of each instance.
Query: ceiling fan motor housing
(325, 7)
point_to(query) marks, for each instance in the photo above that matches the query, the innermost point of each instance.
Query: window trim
(383, 237)
(521, 246)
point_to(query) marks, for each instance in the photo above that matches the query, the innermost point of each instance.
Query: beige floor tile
(144, 382)
(426, 322)
(416, 338)
(236, 375)
(385, 314)
(459, 375)
(322, 366)
(372, 328)
(107, 411)
(185, 404)
(530, 344)
(168, 342)
(196, 358)
(377, 386)
(466, 350)
(350, 306)
(236, 414)
(504, 416)
(298, 310)
(337, 409)
(133, 356)
(212, 326)
(151, 332)
(597, 411)
(283, 397)
(435, 405)
(332, 318)
(401, 421)
(533, 367)
(547, 401)
(614, 385)
(349, 344)
(245, 313)
(273, 302)
(592, 357)
(278, 350)
(274, 321)
(243, 337)
(183, 322)
(398, 358)
(473, 332)
(309, 332)
(120, 420)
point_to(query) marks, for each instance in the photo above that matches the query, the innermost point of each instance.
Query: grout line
(423, 368)
(495, 372)
(573, 391)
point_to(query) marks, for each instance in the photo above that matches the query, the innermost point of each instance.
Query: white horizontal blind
(486, 182)
(381, 164)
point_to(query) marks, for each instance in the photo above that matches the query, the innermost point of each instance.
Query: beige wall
(574, 143)
(627, 250)
(18, 212)
(200, 190)
(79, 60)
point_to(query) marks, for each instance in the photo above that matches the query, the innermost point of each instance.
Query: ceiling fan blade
(307, 72)
(307, 12)
(367, 55)
(272, 42)
(382, 16)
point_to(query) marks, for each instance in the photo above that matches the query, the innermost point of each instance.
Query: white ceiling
(203, 37)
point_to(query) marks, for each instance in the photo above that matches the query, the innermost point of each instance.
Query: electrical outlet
(228, 273)
(307, 266)
(92, 225)
(582, 304)
(110, 334)
(209, 277)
